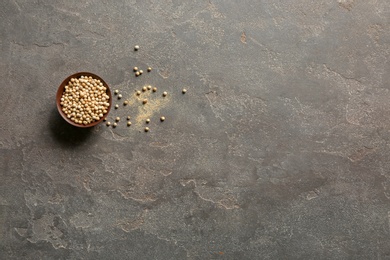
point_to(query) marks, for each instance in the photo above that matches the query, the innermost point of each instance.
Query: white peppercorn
(82, 100)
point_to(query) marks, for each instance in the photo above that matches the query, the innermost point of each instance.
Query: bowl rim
(61, 90)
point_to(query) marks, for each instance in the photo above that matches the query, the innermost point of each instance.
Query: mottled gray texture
(279, 149)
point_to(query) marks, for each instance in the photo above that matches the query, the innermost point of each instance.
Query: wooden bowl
(61, 89)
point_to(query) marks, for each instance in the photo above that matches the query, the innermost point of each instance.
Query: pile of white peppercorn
(85, 100)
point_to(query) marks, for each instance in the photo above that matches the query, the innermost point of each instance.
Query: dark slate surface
(279, 149)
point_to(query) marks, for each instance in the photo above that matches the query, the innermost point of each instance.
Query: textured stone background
(279, 150)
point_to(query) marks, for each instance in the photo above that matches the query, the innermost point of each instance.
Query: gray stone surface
(279, 149)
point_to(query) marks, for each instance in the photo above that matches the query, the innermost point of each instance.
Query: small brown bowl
(60, 91)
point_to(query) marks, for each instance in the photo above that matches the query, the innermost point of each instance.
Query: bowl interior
(61, 90)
